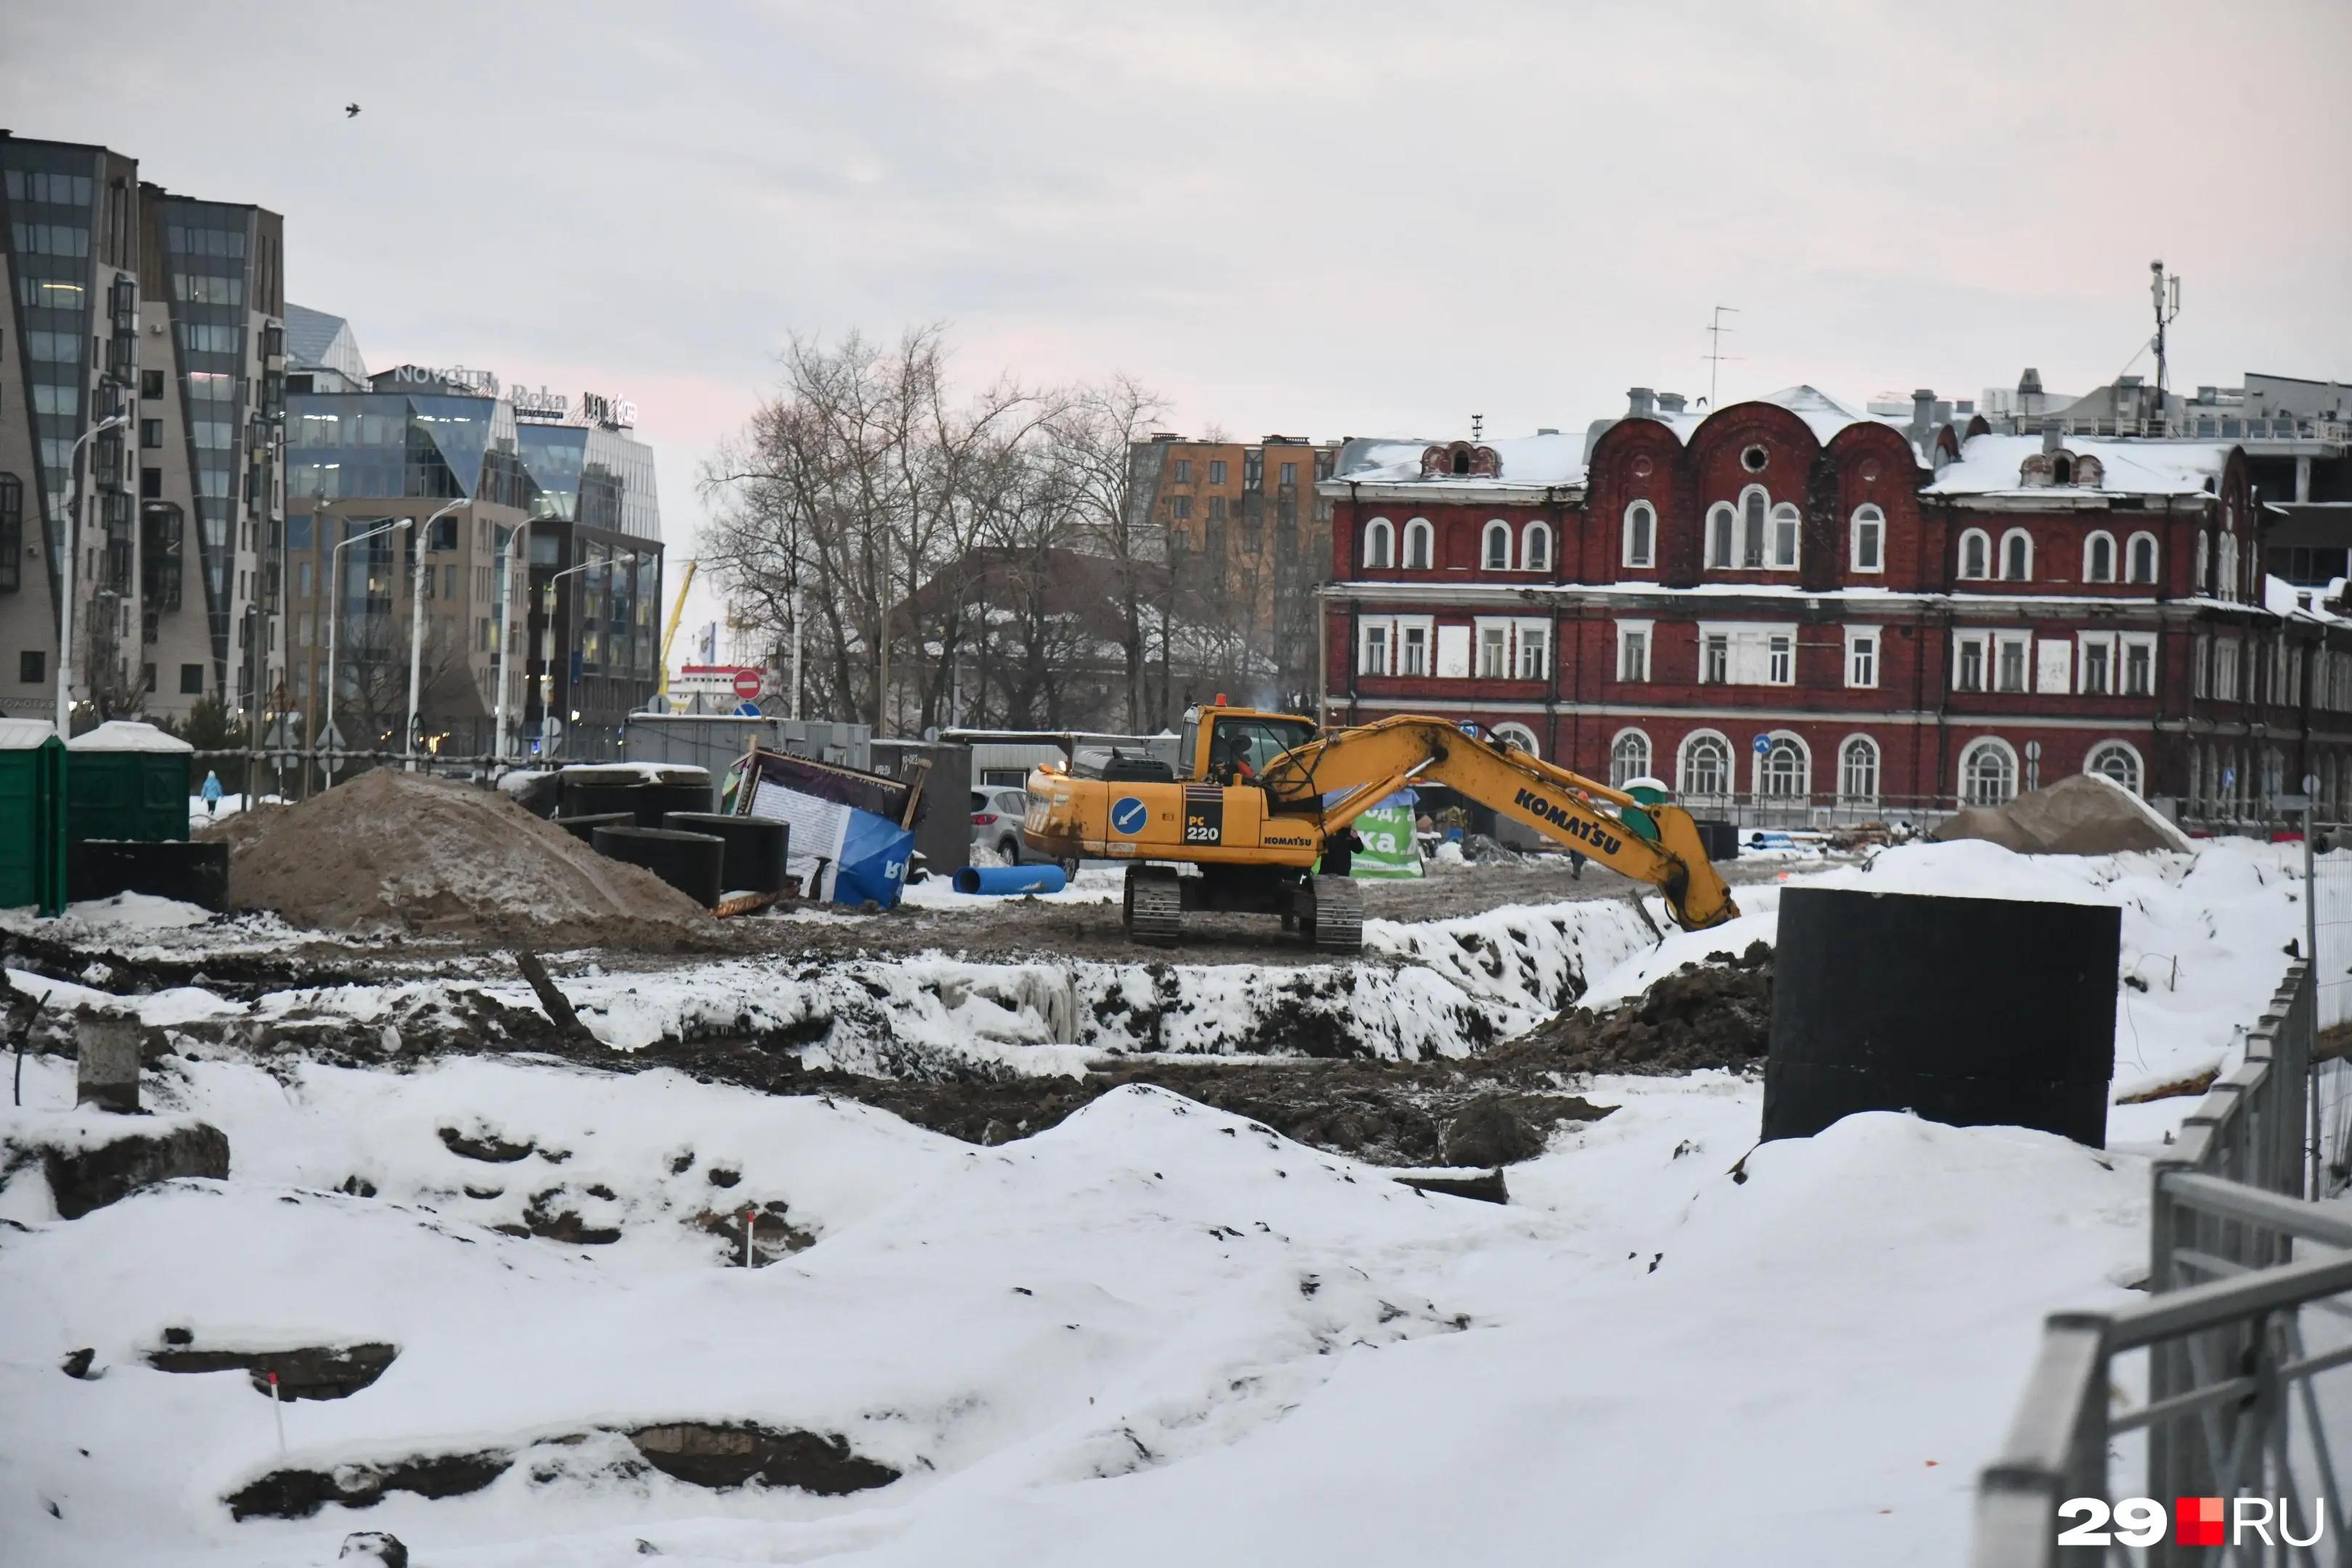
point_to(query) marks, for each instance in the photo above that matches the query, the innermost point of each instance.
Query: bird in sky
(351, 111)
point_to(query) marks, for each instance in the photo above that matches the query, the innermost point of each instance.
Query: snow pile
(2205, 937)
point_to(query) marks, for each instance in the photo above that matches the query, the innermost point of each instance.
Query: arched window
(1705, 768)
(1988, 774)
(1642, 534)
(1419, 544)
(2118, 761)
(2017, 556)
(1535, 547)
(1719, 527)
(1380, 542)
(2099, 557)
(1461, 462)
(1783, 556)
(2204, 561)
(2227, 577)
(1629, 757)
(1518, 736)
(1752, 508)
(1496, 552)
(1976, 554)
(1868, 533)
(1858, 770)
(2061, 469)
(2139, 559)
(1783, 772)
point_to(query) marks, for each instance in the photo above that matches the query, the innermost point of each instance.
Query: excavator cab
(1225, 745)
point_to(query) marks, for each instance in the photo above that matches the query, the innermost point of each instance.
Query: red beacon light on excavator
(1221, 700)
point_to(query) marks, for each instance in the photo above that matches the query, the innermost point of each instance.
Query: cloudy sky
(1323, 219)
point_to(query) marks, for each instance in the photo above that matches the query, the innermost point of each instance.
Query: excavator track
(1331, 915)
(1153, 910)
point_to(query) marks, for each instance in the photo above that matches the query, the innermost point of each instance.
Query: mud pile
(1702, 1015)
(2088, 813)
(393, 851)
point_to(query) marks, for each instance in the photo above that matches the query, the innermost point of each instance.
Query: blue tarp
(874, 855)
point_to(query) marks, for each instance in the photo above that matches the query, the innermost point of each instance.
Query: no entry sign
(748, 684)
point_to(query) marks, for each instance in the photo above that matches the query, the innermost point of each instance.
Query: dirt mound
(2086, 815)
(393, 851)
(1716, 1015)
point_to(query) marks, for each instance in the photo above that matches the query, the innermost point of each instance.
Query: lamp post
(72, 549)
(334, 609)
(628, 559)
(515, 537)
(422, 537)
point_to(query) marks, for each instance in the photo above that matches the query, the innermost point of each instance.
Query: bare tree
(1096, 440)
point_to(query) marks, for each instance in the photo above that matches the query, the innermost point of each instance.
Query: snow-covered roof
(1528, 460)
(1822, 415)
(24, 734)
(127, 736)
(1991, 465)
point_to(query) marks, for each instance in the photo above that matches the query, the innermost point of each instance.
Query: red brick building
(1795, 611)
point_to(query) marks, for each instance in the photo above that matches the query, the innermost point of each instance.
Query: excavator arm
(1654, 843)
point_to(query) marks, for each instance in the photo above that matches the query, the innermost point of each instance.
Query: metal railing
(2231, 1408)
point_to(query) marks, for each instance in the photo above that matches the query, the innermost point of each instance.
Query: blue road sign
(1130, 815)
(748, 710)
(1763, 745)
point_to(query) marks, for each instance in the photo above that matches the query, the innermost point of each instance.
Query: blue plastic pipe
(1010, 880)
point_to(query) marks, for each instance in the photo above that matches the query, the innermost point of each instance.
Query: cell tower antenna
(1477, 426)
(1714, 356)
(2164, 289)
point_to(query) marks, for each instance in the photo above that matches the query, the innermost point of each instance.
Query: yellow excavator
(1257, 800)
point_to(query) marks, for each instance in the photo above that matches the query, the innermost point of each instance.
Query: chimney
(1669, 403)
(1546, 430)
(1638, 400)
(2029, 381)
(1943, 411)
(1923, 412)
(2052, 437)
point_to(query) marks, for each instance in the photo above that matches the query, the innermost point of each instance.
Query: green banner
(1389, 849)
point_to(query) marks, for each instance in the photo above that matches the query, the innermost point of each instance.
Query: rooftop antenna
(2164, 289)
(1714, 356)
(1478, 428)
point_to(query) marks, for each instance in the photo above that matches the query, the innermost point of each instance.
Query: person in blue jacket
(212, 793)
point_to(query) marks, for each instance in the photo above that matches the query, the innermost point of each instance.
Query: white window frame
(1846, 795)
(2139, 764)
(1706, 638)
(1967, 753)
(1382, 531)
(1619, 776)
(1863, 643)
(1534, 541)
(1756, 761)
(2091, 542)
(2001, 644)
(2228, 665)
(1518, 735)
(2136, 642)
(1784, 516)
(2227, 573)
(1487, 561)
(2155, 558)
(1749, 651)
(1869, 516)
(2107, 643)
(1494, 632)
(1636, 644)
(1423, 529)
(1647, 556)
(1722, 537)
(2201, 663)
(2015, 535)
(1764, 537)
(1981, 642)
(1984, 541)
(1681, 765)
(1780, 658)
(1532, 634)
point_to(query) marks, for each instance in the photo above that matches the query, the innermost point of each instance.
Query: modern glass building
(596, 540)
(69, 261)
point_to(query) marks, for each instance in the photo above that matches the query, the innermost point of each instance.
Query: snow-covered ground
(1156, 1333)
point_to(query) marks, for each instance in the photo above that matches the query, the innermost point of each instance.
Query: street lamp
(73, 549)
(626, 559)
(420, 539)
(334, 609)
(515, 538)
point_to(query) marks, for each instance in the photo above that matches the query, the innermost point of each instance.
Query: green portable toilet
(128, 780)
(32, 815)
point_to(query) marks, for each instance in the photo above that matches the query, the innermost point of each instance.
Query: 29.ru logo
(2195, 1521)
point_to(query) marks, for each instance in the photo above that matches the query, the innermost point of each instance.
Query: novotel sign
(481, 381)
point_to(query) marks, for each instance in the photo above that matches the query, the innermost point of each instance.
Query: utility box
(33, 816)
(126, 780)
(1971, 1011)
